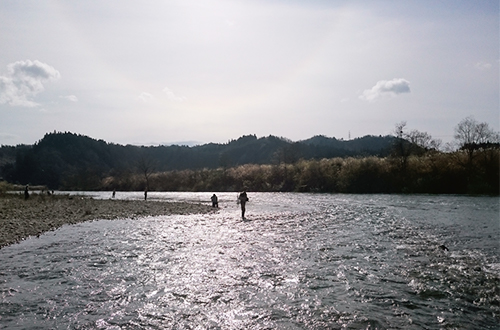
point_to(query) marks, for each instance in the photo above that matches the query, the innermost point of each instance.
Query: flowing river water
(299, 261)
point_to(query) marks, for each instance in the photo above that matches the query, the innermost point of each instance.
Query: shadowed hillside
(407, 163)
(67, 159)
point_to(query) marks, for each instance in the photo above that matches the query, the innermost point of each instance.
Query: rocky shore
(21, 218)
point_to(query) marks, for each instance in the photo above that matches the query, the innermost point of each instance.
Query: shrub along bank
(435, 173)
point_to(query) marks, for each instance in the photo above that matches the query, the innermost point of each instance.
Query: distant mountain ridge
(58, 155)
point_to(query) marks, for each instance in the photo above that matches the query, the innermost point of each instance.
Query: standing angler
(215, 201)
(243, 199)
(26, 192)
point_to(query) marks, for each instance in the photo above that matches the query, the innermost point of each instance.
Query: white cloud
(482, 66)
(145, 97)
(172, 97)
(24, 79)
(386, 88)
(71, 98)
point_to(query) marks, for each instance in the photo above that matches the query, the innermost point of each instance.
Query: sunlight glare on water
(299, 261)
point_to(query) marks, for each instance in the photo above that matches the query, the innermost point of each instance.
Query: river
(298, 261)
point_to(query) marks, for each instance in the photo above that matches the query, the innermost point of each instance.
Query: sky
(155, 72)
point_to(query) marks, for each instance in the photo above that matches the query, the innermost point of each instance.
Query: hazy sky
(161, 71)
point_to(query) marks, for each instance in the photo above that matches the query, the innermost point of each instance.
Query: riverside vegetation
(436, 173)
(408, 162)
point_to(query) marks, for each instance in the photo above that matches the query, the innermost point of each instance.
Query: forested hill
(59, 156)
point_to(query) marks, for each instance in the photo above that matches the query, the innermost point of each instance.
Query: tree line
(408, 162)
(71, 161)
(435, 173)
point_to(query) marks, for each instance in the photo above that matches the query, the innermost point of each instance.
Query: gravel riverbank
(21, 218)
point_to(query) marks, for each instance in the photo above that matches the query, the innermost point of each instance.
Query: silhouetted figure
(243, 199)
(444, 248)
(114, 193)
(146, 194)
(215, 201)
(26, 193)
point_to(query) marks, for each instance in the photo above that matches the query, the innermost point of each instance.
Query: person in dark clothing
(242, 200)
(215, 201)
(26, 192)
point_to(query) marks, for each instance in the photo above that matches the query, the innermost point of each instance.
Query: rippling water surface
(299, 261)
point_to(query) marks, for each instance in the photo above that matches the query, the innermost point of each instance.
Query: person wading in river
(242, 200)
(26, 192)
(215, 201)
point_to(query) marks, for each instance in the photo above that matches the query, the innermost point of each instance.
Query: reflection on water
(300, 261)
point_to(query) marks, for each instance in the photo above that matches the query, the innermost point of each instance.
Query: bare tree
(472, 136)
(423, 140)
(402, 146)
(146, 166)
(412, 143)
